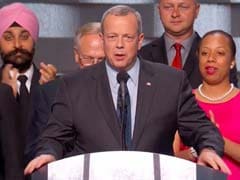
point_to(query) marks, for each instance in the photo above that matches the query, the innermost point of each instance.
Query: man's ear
(197, 10)
(140, 40)
(76, 55)
(101, 35)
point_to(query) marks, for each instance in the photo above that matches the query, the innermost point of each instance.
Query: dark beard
(21, 59)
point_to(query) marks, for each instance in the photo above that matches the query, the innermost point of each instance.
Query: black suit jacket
(47, 95)
(34, 125)
(84, 111)
(30, 127)
(11, 164)
(156, 52)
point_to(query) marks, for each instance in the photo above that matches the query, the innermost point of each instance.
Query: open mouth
(119, 56)
(210, 70)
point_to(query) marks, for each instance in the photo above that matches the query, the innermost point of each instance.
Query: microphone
(122, 78)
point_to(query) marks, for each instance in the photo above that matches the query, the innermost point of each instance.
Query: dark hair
(225, 34)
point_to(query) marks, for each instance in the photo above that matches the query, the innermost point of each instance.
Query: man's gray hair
(195, 1)
(88, 28)
(122, 10)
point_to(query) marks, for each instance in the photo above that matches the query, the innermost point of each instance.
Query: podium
(125, 165)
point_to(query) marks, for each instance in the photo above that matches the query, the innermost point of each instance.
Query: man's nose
(17, 43)
(175, 12)
(120, 42)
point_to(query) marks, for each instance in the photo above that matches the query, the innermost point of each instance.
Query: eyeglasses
(90, 60)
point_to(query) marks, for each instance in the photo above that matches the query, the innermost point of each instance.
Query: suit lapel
(192, 57)
(105, 101)
(146, 91)
(31, 121)
(34, 93)
(35, 78)
(159, 51)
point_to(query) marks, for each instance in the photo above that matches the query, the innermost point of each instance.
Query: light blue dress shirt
(132, 85)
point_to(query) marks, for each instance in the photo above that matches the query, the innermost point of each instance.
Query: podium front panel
(118, 165)
(126, 165)
(176, 169)
(67, 169)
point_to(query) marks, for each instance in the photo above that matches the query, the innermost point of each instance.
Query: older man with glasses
(88, 46)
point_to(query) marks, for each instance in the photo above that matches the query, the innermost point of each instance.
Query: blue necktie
(124, 110)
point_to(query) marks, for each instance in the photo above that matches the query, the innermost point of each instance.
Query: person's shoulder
(197, 36)
(154, 43)
(162, 73)
(6, 94)
(159, 68)
(4, 88)
(154, 47)
(51, 85)
(196, 40)
(85, 73)
(163, 76)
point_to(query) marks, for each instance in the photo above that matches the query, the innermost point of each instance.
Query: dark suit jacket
(156, 52)
(11, 164)
(34, 125)
(30, 127)
(47, 96)
(84, 111)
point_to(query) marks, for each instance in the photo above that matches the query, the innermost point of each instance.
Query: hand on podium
(38, 162)
(209, 157)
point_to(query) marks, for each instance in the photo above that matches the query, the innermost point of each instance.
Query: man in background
(179, 40)
(88, 46)
(88, 50)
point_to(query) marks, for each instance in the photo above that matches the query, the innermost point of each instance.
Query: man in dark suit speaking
(87, 106)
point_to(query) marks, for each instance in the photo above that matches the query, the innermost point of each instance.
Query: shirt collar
(133, 73)
(185, 43)
(29, 74)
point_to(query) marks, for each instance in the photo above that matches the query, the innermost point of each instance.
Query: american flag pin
(148, 84)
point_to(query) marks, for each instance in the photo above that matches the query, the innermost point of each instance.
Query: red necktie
(177, 61)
